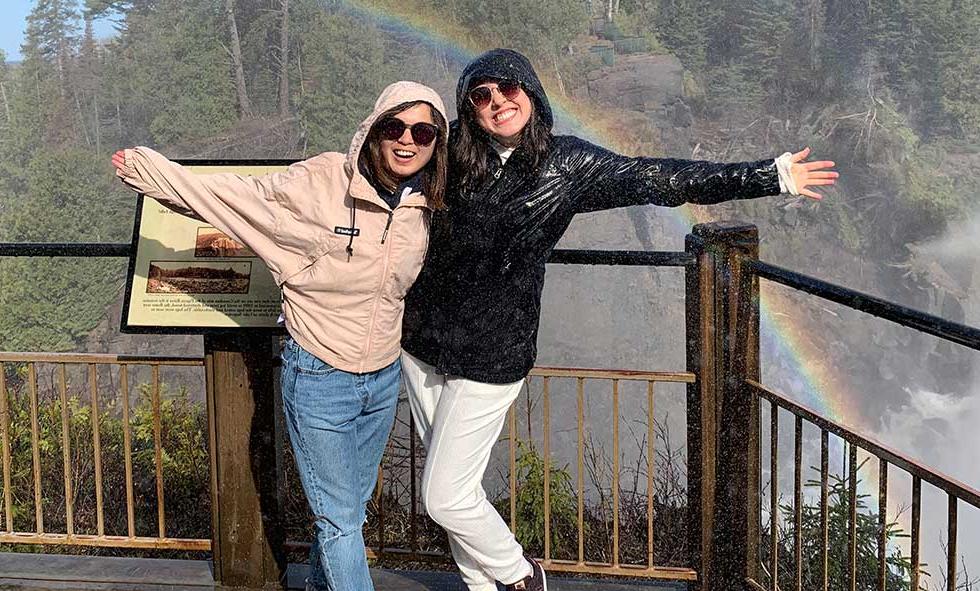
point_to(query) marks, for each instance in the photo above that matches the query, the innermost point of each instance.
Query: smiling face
(504, 118)
(402, 156)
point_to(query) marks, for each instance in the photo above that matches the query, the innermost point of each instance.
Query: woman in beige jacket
(344, 237)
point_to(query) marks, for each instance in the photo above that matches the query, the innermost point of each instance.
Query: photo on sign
(198, 277)
(213, 243)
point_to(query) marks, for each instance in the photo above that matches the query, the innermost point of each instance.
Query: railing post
(247, 538)
(723, 420)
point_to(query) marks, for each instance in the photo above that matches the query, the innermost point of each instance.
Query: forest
(889, 87)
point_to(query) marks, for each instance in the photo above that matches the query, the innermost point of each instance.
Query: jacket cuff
(783, 165)
(128, 171)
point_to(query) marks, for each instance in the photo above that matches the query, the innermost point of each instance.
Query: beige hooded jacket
(345, 310)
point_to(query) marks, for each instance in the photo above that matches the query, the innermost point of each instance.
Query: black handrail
(894, 457)
(960, 334)
(56, 249)
(622, 258)
(561, 256)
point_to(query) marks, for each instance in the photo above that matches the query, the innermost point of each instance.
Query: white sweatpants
(459, 421)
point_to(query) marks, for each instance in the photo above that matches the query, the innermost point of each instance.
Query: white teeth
(506, 115)
(404, 154)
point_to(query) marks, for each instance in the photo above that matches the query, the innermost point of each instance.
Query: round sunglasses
(423, 133)
(481, 96)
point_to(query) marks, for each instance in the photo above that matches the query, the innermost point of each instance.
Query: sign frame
(124, 325)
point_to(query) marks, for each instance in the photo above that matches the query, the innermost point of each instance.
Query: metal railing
(724, 402)
(583, 562)
(614, 566)
(98, 406)
(610, 563)
(956, 491)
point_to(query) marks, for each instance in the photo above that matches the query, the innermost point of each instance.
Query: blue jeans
(339, 424)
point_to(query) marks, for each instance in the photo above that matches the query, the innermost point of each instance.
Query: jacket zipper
(384, 234)
(377, 299)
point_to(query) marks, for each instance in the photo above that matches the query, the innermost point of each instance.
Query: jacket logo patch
(347, 231)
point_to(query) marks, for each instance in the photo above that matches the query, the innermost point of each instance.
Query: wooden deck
(48, 572)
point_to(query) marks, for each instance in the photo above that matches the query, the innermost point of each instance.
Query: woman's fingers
(823, 175)
(818, 164)
(801, 155)
(811, 194)
(119, 159)
(812, 182)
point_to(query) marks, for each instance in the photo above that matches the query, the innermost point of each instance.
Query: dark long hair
(471, 149)
(433, 175)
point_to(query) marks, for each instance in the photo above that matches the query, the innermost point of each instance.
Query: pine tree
(52, 34)
(174, 73)
(684, 31)
(342, 69)
(960, 78)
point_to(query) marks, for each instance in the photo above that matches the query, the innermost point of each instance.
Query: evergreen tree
(174, 71)
(66, 201)
(683, 30)
(342, 69)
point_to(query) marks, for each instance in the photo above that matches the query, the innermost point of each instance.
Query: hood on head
(505, 64)
(393, 95)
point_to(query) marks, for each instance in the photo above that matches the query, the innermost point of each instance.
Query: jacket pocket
(407, 255)
(319, 249)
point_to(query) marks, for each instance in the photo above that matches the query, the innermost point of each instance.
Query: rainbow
(822, 389)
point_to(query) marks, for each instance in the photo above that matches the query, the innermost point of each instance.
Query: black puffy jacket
(475, 308)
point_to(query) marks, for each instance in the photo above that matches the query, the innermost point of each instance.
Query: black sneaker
(535, 582)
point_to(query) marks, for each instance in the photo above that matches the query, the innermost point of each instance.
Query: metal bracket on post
(723, 419)
(247, 537)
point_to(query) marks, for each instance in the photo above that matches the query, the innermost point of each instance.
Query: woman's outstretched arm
(606, 180)
(244, 207)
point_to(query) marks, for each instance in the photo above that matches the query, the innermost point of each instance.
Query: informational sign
(186, 276)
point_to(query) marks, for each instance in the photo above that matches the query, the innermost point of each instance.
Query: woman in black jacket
(471, 319)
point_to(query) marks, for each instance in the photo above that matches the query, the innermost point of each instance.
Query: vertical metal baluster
(650, 465)
(581, 469)
(882, 523)
(5, 442)
(916, 532)
(379, 500)
(158, 452)
(513, 468)
(412, 512)
(35, 449)
(93, 381)
(798, 502)
(128, 451)
(615, 474)
(66, 450)
(773, 495)
(852, 517)
(951, 546)
(824, 523)
(547, 470)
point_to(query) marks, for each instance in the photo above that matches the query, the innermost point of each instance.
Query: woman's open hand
(811, 174)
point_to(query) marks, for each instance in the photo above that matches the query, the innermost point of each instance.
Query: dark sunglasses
(423, 134)
(481, 96)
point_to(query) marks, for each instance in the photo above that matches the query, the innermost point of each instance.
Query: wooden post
(702, 398)
(247, 537)
(723, 418)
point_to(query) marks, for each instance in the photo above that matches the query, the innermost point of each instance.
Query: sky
(13, 22)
